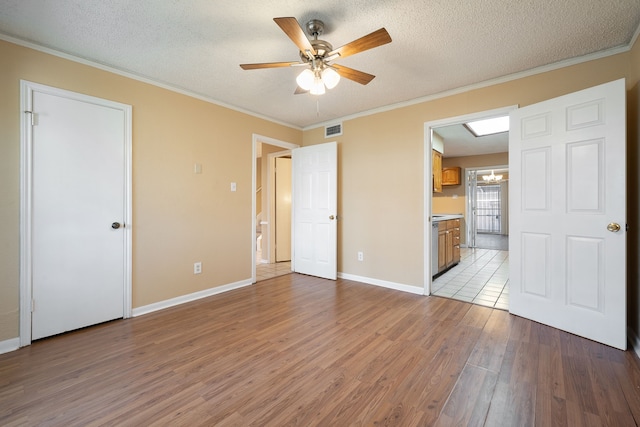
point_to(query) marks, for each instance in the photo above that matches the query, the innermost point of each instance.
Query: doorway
(481, 276)
(488, 208)
(266, 151)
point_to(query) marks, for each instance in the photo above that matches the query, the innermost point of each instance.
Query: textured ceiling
(438, 45)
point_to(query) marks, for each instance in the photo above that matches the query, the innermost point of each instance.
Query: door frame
(271, 203)
(428, 171)
(26, 196)
(468, 229)
(260, 139)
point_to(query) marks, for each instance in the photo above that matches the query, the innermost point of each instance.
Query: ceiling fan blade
(300, 91)
(375, 39)
(268, 65)
(355, 75)
(292, 28)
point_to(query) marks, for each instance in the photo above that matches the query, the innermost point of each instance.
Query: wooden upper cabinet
(436, 168)
(451, 176)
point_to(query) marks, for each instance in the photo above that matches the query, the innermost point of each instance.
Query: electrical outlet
(360, 256)
(197, 267)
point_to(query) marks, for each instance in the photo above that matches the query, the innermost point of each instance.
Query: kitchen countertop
(444, 217)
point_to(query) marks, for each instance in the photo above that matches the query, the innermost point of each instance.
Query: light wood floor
(297, 350)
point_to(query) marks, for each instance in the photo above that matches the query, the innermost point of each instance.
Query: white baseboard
(383, 283)
(146, 309)
(9, 345)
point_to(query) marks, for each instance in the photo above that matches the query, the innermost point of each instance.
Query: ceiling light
(330, 77)
(318, 86)
(305, 79)
(315, 80)
(492, 178)
(488, 126)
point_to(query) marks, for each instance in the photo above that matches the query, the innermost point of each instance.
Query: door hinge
(32, 117)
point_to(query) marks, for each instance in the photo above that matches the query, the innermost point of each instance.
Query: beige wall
(179, 217)
(381, 171)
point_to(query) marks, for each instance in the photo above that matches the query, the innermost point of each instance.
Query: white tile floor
(481, 277)
(267, 271)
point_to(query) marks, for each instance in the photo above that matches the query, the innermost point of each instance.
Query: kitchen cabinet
(436, 168)
(451, 176)
(448, 244)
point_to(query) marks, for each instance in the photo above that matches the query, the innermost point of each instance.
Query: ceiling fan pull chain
(317, 108)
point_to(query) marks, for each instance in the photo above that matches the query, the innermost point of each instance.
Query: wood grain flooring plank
(298, 350)
(470, 399)
(489, 351)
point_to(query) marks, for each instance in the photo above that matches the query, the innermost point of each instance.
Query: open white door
(567, 242)
(315, 188)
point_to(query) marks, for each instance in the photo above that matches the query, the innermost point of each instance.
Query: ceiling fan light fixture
(330, 77)
(306, 79)
(318, 87)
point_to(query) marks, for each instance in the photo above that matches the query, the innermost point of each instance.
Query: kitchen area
(458, 270)
(445, 232)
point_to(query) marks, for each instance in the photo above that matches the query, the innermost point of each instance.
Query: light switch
(233, 186)
(197, 168)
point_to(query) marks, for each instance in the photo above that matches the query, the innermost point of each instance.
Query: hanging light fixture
(492, 178)
(315, 80)
(330, 77)
(305, 79)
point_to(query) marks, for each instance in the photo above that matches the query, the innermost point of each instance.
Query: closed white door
(315, 189)
(283, 209)
(567, 246)
(78, 210)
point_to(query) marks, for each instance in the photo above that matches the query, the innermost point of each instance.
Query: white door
(567, 258)
(283, 209)
(78, 210)
(315, 188)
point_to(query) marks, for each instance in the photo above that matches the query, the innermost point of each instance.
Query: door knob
(331, 217)
(613, 227)
(115, 225)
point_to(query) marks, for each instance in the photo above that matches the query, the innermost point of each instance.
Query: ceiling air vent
(333, 130)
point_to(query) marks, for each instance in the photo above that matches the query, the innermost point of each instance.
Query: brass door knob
(331, 217)
(613, 227)
(115, 225)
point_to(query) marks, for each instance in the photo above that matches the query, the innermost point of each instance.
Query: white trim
(634, 38)
(444, 94)
(428, 191)
(9, 345)
(139, 78)
(270, 207)
(150, 308)
(491, 82)
(26, 193)
(426, 210)
(383, 283)
(258, 139)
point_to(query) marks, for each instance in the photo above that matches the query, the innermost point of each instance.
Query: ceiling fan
(317, 55)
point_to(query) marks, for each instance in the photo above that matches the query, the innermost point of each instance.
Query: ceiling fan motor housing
(321, 47)
(315, 28)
